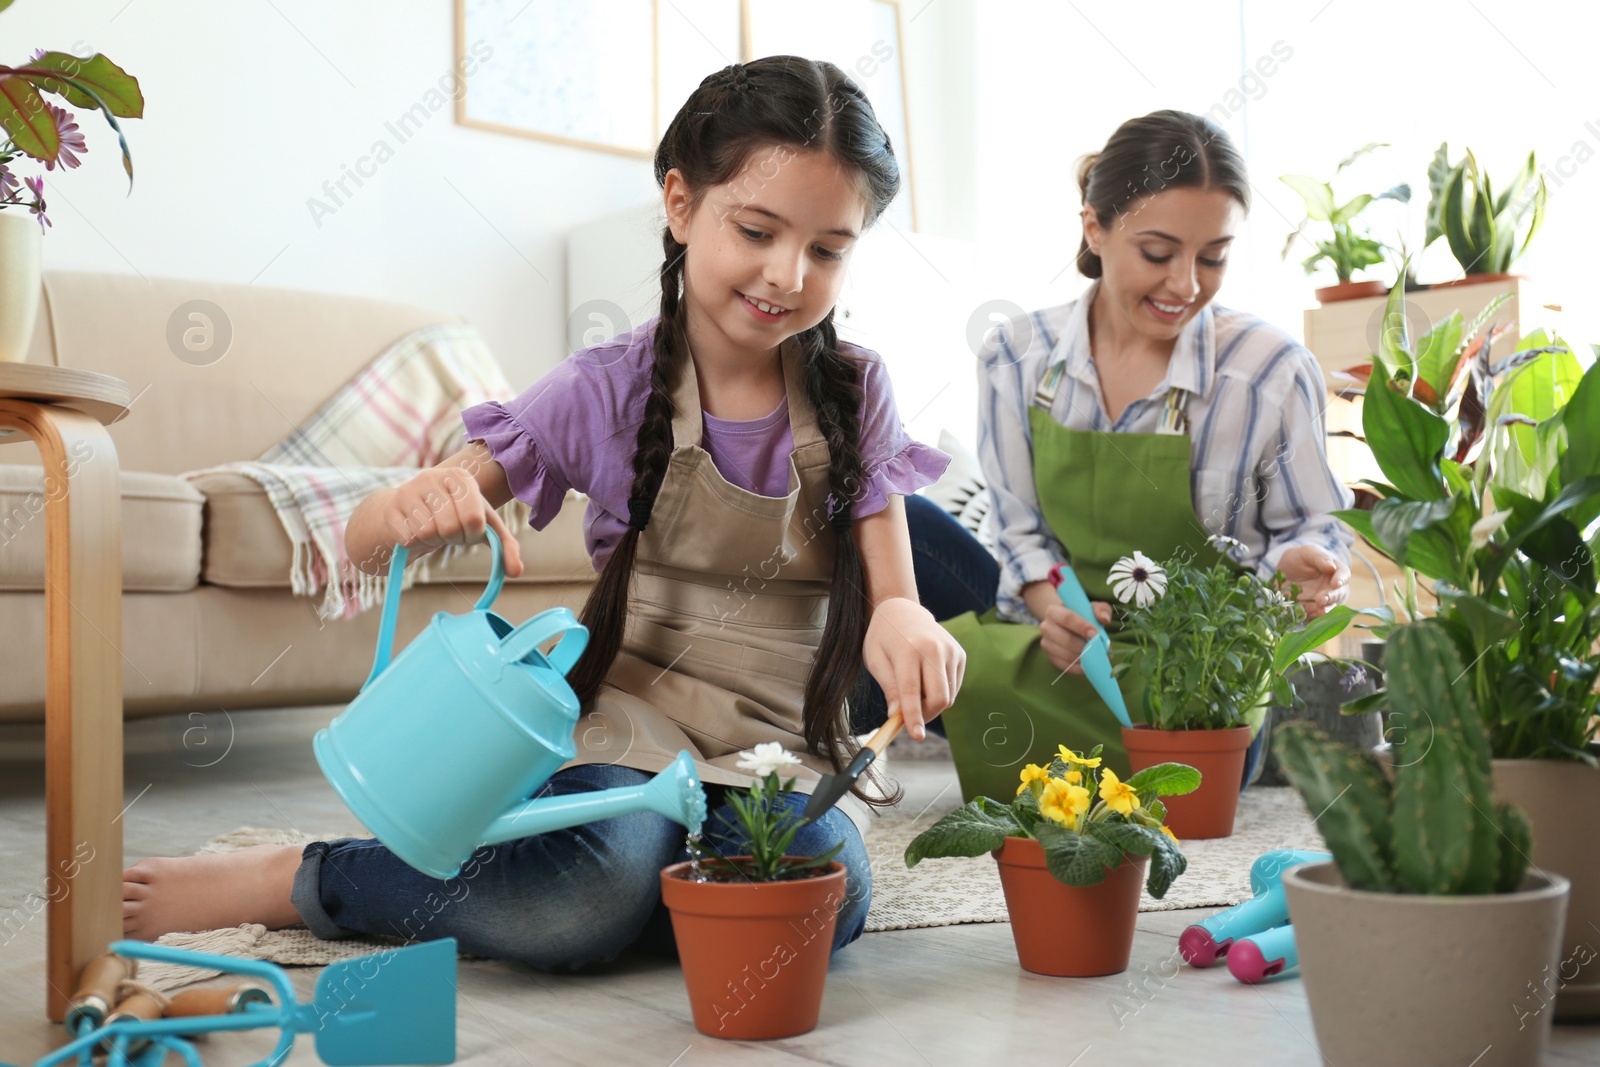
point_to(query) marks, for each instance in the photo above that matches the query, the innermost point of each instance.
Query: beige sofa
(209, 621)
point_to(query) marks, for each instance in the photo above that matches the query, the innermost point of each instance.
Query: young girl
(745, 473)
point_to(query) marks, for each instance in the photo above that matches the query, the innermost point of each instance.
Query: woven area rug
(941, 892)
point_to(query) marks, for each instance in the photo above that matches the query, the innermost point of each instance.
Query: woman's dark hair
(1163, 150)
(778, 102)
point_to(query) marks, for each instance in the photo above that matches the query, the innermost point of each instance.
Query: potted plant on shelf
(1421, 941)
(755, 932)
(1480, 227)
(1074, 848)
(1493, 481)
(1346, 249)
(1212, 644)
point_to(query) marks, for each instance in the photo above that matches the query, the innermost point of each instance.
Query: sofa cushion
(160, 531)
(246, 547)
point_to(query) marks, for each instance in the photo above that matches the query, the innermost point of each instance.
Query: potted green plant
(755, 932)
(1420, 942)
(1493, 479)
(1212, 643)
(1346, 248)
(1480, 227)
(1073, 847)
(35, 128)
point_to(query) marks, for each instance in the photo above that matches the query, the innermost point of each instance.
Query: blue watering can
(443, 748)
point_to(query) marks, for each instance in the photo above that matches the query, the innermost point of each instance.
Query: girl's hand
(1323, 578)
(1064, 633)
(915, 660)
(441, 506)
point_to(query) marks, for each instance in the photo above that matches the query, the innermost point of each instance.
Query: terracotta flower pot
(1560, 800)
(1332, 294)
(1475, 279)
(1065, 930)
(1219, 757)
(755, 954)
(1400, 979)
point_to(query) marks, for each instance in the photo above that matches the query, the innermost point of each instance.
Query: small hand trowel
(1096, 659)
(832, 787)
(392, 1007)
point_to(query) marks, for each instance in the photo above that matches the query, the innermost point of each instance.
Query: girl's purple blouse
(575, 429)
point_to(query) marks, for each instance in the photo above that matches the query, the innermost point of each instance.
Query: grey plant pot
(1560, 799)
(1324, 687)
(1398, 979)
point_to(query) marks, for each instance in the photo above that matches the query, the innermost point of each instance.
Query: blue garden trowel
(1096, 659)
(392, 1007)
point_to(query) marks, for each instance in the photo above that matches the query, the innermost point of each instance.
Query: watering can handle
(541, 628)
(391, 599)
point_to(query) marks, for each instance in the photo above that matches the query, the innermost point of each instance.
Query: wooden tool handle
(886, 733)
(137, 1006)
(97, 989)
(223, 1001)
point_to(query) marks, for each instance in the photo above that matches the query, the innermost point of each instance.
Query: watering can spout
(674, 793)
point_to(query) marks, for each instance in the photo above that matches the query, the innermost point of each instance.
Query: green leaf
(1126, 837)
(5, 4)
(1394, 342)
(93, 82)
(1318, 195)
(1406, 438)
(1581, 417)
(1360, 520)
(1166, 863)
(1076, 859)
(1349, 210)
(1437, 354)
(1314, 634)
(1362, 705)
(968, 831)
(1439, 171)
(26, 120)
(1487, 624)
(1166, 779)
(1358, 153)
(1397, 521)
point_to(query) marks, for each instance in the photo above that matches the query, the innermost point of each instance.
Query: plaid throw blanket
(399, 414)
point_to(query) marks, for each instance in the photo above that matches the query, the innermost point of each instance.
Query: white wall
(1503, 76)
(252, 106)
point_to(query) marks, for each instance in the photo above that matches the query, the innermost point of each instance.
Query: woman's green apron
(1103, 496)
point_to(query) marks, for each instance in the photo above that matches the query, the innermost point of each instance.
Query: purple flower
(36, 187)
(1355, 676)
(71, 139)
(8, 185)
(38, 54)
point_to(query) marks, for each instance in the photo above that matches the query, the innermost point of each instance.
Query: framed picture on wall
(584, 75)
(864, 38)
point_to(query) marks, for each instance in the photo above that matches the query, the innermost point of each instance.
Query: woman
(1138, 416)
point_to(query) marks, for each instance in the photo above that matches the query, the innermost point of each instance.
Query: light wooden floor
(951, 995)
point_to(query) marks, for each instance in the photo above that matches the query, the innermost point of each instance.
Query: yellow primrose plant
(1084, 816)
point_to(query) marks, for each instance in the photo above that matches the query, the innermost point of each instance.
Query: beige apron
(729, 601)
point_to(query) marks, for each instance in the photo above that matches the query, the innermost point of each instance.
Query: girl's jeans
(556, 900)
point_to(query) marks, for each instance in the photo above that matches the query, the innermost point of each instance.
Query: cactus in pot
(1435, 827)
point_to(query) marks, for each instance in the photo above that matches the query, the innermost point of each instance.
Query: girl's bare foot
(210, 892)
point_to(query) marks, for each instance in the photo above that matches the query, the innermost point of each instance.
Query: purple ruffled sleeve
(895, 464)
(533, 479)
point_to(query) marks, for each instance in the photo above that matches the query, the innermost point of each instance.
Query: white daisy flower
(767, 757)
(1485, 527)
(1228, 546)
(1137, 579)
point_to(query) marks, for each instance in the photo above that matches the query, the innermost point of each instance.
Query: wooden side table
(65, 413)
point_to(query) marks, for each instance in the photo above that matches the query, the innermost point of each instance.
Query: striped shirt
(1258, 466)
